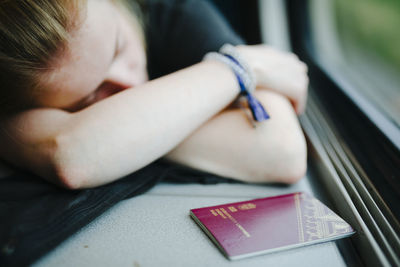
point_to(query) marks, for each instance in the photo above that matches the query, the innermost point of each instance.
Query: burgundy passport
(265, 225)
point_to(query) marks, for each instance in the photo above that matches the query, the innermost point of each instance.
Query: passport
(266, 225)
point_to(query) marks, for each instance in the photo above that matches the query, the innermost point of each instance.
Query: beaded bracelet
(230, 57)
(230, 51)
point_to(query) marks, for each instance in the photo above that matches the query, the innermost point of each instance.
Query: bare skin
(93, 127)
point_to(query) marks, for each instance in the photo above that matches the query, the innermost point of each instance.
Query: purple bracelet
(229, 57)
(256, 108)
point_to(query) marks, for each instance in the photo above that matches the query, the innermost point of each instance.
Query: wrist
(229, 56)
(245, 53)
(226, 77)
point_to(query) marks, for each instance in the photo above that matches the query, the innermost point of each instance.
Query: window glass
(360, 40)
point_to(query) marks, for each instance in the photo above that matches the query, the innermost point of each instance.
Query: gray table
(155, 229)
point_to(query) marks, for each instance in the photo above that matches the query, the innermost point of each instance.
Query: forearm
(125, 132)
(228, 145)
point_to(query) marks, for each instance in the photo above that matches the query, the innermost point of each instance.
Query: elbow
(293, 165)
(281, 143)
(296, 169)
(287, 164)
(67, 178)
(68, 170)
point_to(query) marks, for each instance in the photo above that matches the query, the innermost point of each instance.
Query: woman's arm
(128, 130)
(120, 134)
(228, 145)
(275, 151)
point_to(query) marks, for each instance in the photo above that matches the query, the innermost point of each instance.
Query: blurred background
(360, 40)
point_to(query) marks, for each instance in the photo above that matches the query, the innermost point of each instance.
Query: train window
(357, 44)
(351, 48)
(370, 41)
(359, 41)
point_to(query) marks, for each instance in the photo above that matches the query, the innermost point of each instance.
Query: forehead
(88, 53)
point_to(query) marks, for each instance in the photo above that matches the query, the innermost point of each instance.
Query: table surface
(155, 229)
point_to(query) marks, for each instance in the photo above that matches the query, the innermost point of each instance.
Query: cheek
(105, 90)
(61, 97)
(72, 99)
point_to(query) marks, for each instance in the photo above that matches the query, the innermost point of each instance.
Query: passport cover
(265, 225)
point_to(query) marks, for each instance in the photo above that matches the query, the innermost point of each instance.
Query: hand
(279, 71)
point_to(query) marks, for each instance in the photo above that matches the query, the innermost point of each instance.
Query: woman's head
(67, 54)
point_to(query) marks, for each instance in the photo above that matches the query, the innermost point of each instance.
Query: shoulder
(180, 32)
(177, 5)
(5, 170)
(167, 14)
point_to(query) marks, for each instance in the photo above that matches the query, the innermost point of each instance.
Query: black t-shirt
(37, 216)
(179, 33)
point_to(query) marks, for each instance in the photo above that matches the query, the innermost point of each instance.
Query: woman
(79, 110)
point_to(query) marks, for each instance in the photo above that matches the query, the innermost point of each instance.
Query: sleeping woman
(93, 90)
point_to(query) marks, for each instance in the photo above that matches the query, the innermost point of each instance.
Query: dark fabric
(181, 32)
(36, 216)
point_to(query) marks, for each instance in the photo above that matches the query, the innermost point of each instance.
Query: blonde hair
(32, 32)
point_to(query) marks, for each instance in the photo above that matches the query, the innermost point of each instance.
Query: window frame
(374, 140)
(361, 148)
